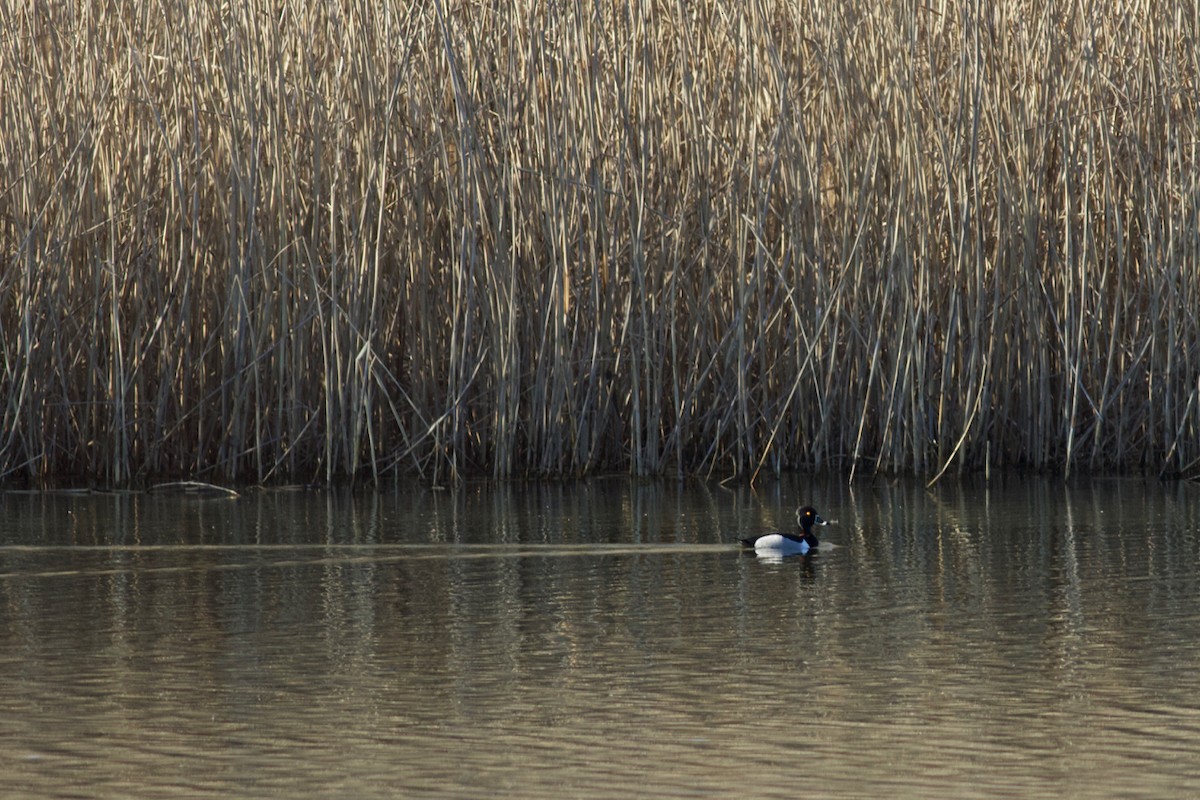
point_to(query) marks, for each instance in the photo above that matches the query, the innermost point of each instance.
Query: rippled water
(603, 639)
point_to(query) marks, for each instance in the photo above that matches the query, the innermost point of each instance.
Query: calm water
(603, 640)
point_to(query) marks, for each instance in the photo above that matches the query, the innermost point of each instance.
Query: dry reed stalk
(309, 242)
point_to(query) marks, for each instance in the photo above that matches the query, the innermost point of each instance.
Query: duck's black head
(806, 517)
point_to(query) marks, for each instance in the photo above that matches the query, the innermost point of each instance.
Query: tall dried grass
(257, 240)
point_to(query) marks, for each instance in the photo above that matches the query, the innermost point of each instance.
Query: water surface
(603, 639)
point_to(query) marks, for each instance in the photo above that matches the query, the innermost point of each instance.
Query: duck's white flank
(781, 543)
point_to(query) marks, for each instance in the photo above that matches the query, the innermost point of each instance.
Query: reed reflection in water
(603, 639)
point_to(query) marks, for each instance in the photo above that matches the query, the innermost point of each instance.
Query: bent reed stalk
(303, 241)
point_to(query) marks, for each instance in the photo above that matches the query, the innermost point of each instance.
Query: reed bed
(309, 241)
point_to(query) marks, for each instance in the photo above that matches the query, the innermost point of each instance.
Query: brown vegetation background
(307, 240)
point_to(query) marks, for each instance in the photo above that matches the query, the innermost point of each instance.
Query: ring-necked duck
(790, 543)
